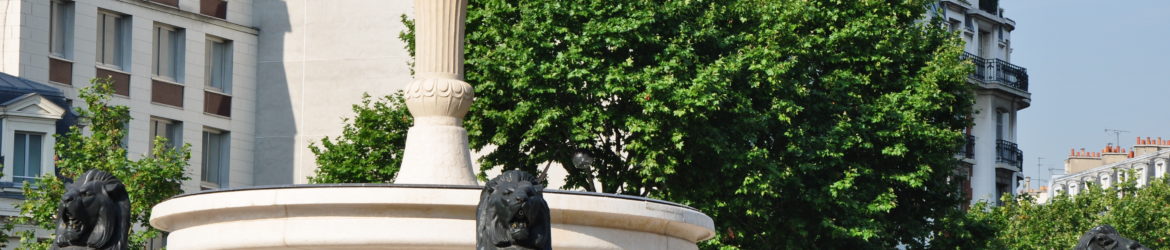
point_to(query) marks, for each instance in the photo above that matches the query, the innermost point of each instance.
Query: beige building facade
(1146, 161)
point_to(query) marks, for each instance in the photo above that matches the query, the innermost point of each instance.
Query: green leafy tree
(370, 148)
(793, 123)
(1137, 213)
(150, 180)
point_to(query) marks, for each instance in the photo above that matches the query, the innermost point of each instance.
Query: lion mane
(512, 214)
(94, 212)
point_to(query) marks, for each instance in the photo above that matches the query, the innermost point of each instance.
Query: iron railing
(1008, 152)
(998, 71)
(1011, 75)
(969, 147)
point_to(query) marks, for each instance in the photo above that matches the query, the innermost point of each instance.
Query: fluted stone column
(438, 98)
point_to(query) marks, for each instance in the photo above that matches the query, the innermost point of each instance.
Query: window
(219, 65)
(168, 52)
(1001, 128)
(125, 142)
(113, 39)
(1001, 38)
(26, 159)
(215, 158)
(985, 44)
(61, 29)
(169, 129)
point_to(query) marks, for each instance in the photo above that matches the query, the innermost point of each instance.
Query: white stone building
(992, 160)
(249, 84)
(186, 69)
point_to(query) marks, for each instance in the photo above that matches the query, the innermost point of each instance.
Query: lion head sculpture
(94, 212)
(1104, 237)
(512, 214)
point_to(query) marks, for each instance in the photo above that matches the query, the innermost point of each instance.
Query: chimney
(1112, 154)
(1081, 161)
(1145, 146)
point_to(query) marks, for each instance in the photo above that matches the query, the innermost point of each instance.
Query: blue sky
(1092, 65)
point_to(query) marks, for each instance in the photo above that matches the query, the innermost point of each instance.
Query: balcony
(1009, 153)
(996, 71)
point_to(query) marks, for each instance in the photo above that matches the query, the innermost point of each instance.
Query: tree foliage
(370, 148)
(150, 180)
(792, 123)
(1137, 213)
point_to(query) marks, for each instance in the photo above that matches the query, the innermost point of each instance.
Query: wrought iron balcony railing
(968, 148)
(1008, 152)
(998, 71)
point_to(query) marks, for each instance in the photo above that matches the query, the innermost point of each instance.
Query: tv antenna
(1116, 135)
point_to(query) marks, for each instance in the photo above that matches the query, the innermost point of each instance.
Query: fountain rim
(420, 186)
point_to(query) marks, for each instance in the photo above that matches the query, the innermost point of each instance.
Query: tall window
(26, 159)
(125, 142)
(113, 39)
(1001, 119)
(215, 158)
(170, 129)
(219, 65)
(61, 28)
(168, 52)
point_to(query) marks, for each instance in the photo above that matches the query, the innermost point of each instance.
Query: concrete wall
(316, 60)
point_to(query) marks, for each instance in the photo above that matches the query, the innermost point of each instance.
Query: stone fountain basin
(408, 216)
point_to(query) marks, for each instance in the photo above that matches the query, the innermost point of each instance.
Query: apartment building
(249, 84)
(992, 161)
(186, 69)
(1146, 162)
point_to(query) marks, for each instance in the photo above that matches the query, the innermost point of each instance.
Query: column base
(436, 155)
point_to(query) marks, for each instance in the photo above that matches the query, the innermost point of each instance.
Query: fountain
(433, 202)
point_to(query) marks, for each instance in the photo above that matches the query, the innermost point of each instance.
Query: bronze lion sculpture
(1104, 237)
(94, 213)
(512, 214)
